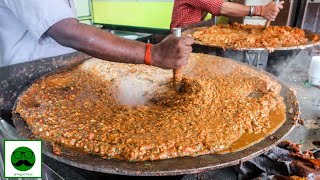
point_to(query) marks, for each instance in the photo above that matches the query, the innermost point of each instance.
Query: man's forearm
(97, 42)
(170, 53)
(234, 9)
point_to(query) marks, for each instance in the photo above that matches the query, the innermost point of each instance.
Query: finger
(188, 40)
(186, 35)
(280, 6)
(187, 58)
(187, 55)
(281, 2)
(271, 18)
(277, 10)
(184, 61)
(275, 14)
(188, 49)
(179, 64)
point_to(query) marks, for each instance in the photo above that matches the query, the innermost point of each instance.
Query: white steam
(132, 91)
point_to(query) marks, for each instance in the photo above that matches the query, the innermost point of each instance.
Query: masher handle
(266, 26)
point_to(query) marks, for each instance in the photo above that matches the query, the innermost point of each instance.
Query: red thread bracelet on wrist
(147, 56)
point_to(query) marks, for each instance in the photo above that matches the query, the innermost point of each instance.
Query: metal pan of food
(200, 66)
(252, 37)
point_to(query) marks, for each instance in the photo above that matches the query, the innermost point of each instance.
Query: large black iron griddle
(176, 166)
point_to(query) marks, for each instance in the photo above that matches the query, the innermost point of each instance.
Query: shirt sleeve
(39, 15)
(211, 6)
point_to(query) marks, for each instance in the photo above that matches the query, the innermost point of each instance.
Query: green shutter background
(148, 14)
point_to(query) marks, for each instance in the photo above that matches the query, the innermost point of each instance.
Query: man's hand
(271, 10)
(172, 52)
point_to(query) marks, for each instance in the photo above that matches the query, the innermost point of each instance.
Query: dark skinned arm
(171, 53)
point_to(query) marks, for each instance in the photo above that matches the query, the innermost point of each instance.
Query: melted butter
(277, 118)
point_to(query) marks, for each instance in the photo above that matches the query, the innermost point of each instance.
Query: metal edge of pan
(175, 166)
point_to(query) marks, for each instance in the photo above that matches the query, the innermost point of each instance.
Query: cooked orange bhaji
(238, 36)
(132, 112)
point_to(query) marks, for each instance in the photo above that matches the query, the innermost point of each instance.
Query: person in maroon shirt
(187, 12)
